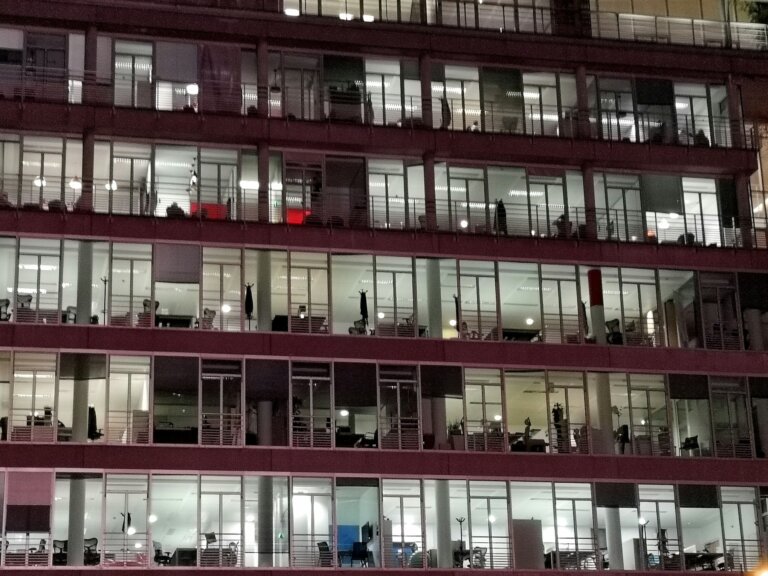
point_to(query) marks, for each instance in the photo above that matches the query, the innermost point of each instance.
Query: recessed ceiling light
(291, 12)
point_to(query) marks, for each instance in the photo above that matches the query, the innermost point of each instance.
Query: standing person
(501, 218)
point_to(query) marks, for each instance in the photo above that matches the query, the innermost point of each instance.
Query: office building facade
(436, 285)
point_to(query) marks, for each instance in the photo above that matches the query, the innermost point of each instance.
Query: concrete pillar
(264, 422)
(439, 423)
(443, 527)
(84, 280)
(265, 537)
(90, 86)
(85, 202)
(76, 525)
(263, 182)
(602, 420)
(264, 290)
(430, 203)
(753, 322)
(744, 207)
(425, 77)
(262, 79)
(434, 295)
(613, 538)
(734, 114)
(583, 129)
(590, 202)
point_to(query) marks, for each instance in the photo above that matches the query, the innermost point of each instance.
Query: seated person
(175, 211)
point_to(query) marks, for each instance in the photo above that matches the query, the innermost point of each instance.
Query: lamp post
(643, 542)
(461, 520)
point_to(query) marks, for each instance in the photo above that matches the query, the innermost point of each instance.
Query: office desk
(184, 557)
(173, 320)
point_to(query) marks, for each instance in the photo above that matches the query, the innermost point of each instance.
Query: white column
(443, 527)
(262, 79)
(430, 201)
(264, 422)
(754, 324)
(266, 537)
(264, 290)
(425, 78)
(613, 538)
(434, 305)
(263, 182)
(76, 525)
(439, 423)
(602, 421)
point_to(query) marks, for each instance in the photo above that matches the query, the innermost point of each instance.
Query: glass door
(549, 212)
(41, 176)
(221, 418)
(574, 529)
(37, 300)
(624, 219)
(660, 544)
(478, 306)
(568, 413)
(301, 93)
(308, 291)
(130, 285)
(702, 213)
(33, 415)
(125, 530)
(401, 505)
(468, 207)
(133, 74)
(312, 544)
(304, 195)
(395, 313)
(483, 409)
(489, 534)
(217, 188)
(742, 540)
(398, 408)
(221, 291)
(128, 407)
(220, 529)
(387, 201)
(730, 419)
(311, 422)
(648, 416)
(563, 320)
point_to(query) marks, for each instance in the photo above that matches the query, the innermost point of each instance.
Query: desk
(173, 320)
(709, 561)
(184, 557)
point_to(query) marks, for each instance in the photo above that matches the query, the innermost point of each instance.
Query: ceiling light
(368, 18)
(76, 183)
(664, 224)
(491, 518)
(152, 519)
(293, 12)
(497, 417)
(346, 16)
(111, 185)
(137, 545)
(452, 322)
(193, 89)
(249, 184)
(344, 412)
(226, 308)
(39, 181)
(380, 315)
(131, 531)
(642, 521)
(529, 321)
(463, 223)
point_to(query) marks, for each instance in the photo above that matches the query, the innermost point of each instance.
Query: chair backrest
(210, 538)
(157, 547)
(24, 300)
(59, 546)
(90, 544)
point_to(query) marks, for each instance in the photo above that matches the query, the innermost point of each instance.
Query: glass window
(266, 530)
(174, 507)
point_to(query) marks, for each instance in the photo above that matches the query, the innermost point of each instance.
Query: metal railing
(313, 550)
(226, 551)
(21, 550)
(310, 432)
(127, 427)
(399, 433)
(221, 429)
(651, 440)
(26, 427)
(122, 550)
(568, 437)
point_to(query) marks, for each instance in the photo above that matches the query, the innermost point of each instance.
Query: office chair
(210, 538)
(161, 558)
(24, 300)
(326, 558)
(360, 552)
(4, 315)
(91, 554)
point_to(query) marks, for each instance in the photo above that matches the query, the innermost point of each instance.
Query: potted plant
(456, 433)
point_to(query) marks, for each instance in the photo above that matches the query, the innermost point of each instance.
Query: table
(173, 320)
